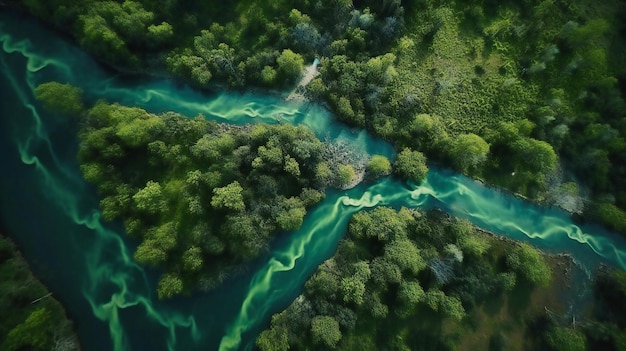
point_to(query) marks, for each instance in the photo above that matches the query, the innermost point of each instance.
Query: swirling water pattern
(54, 216)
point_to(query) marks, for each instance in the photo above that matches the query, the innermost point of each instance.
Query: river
(87, 263)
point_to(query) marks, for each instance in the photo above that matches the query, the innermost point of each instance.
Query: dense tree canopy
(528, 95)
(386, 273)
(226, 190)
(431, 76)
(61, 98)
(411, 165)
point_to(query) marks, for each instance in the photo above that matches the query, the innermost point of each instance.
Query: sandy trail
(298, 92)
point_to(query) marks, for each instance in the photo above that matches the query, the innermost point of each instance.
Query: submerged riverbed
(53, 214)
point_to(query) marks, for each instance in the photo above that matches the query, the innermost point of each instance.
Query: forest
(227, 190)
(32, 318)
(204, 198)
(526, 95)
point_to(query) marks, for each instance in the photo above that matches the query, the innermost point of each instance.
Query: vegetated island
(526, 95)
(412, 280)
(204, 198)
(31, 318)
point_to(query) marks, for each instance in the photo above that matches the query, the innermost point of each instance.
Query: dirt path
(297, 93)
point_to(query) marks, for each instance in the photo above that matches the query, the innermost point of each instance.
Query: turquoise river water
(53, 214)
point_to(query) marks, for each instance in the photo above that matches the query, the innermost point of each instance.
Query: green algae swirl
(53, 214)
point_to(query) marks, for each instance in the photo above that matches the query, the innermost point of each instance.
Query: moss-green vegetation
(529, 263)
(378, 166)
(513, 93)
(407, 280)
(610, 214)
(61, 98)
(566, 339)
(238, 43)
(31, 318)
(478, 65)
(202, 198)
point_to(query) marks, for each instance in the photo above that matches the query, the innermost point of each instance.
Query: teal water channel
(53, 214)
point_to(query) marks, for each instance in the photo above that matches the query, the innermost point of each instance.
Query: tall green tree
(150, 199)
(566, 339)
(36, 332)
(529, 264)
(274, 339)
(290, 65)
(169, 285)
(345, 175)
(411, 165)
(98, 37)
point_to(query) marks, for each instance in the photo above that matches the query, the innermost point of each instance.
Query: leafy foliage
(469, 152)
(411, 165)
(378, 166)
(62, 98)
(566, 339)
(31, 318)
(528, 263)
(613, 216)
(325, 331)
(169, 286)
(290, 64)
(217, 205)
(431, 76)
